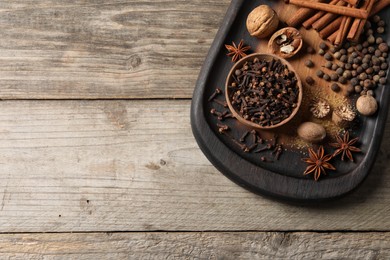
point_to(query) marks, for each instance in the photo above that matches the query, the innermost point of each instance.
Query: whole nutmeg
(366, 105)
(262, 21)
(311, 132)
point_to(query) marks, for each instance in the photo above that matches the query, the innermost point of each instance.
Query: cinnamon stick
(301, 15)
(352, 2)
(343, 31)
(378, 6)
(330, 28)
(341, 10)
(326, 19)
(307, 24)
(358, 25)
(333, 36)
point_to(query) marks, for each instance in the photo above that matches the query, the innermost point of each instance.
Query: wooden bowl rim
(267, 57)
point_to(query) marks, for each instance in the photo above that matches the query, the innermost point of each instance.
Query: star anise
(318, 163)
(237, 52)
(345, 146)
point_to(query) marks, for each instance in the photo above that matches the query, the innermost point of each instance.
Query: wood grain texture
(93, 49)
(246, 245)
(134, 166)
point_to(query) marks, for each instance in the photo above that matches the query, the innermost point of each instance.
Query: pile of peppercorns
(363, 66)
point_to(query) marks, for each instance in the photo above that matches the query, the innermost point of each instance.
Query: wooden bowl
(274, 47)
(267, 57)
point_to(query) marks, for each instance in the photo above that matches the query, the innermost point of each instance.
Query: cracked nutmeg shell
(262, 21)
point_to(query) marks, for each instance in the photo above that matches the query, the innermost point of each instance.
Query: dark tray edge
(345, 184)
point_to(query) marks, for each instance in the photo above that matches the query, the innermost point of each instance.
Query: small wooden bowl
(267, 57)
(275, 48)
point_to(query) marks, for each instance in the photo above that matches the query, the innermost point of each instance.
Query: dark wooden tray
(282, 179)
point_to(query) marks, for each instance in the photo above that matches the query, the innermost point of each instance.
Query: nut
(343, 116)
(320, 108)
(286, 42)
(311, 132)
(366, 105)
(262, 21)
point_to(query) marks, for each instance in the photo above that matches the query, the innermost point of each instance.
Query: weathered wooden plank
(196, 246)
(134, 166)
(92, 49)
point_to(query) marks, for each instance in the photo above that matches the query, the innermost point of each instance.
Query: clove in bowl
(263, 91)
(286, 42)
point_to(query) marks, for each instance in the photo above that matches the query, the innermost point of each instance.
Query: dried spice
(320, 108)
(237, 52)
(264, 92)
(345, 146)
(318, 162)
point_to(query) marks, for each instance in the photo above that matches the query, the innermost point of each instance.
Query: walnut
(262, 21)
(286, 42)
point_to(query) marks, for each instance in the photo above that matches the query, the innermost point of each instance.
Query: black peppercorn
(371, 39)
(340, 71)
(309, 63)
(335, 87)
(376, 19)
(370, 93)
(335, 67)
(378, 53)
(320, 73)
(364, 51)
(365, 44)
(379, 40)
(380, 30)
(381, 23)
(328, 65)
(376, 68)
(343, 51)
(348, 66)
(337, 55)
(359, 47)
(370, 70)
(354, 82)
(333, 50)
(326, 77)
(382, 81)
(321, 52)
(383, 47)
(353, 73)
(334, 77)
(365, 66)
(376, 78)
(376, 61)
(382, 73)
(358, 89)
(342, 80)
(310, 50)
(347, 74)
(369, 32)
(367, 83)
(384, 66)
(371, 49)
(344, 58)
(359, 70)
(310, 80)
(323, 46)
(328, 56)
(363, 76)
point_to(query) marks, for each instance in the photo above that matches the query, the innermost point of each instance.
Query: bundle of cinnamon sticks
(335, 20)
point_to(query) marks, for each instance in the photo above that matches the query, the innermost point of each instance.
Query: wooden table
(97, 156)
